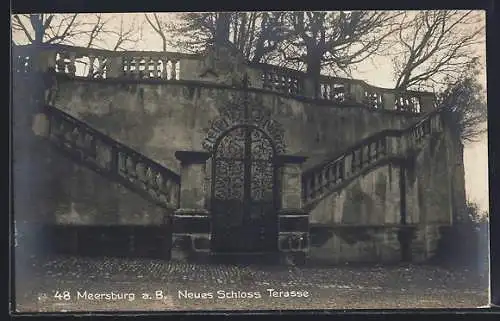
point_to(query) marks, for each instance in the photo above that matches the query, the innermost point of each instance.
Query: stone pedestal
(293, 221)
(191, 222)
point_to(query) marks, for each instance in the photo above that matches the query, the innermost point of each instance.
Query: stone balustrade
(104, 64)
(111, 158)
(326, 177)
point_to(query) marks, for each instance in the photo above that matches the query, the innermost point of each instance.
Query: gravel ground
(58, 284)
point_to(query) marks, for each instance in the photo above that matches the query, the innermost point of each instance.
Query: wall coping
(205, 84)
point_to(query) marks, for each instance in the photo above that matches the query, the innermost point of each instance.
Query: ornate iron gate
(244, 192)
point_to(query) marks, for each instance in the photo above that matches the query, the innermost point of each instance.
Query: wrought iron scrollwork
(243, 191)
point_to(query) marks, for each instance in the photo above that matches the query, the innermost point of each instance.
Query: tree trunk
(222, 28)
(313, 62)
(37, 23)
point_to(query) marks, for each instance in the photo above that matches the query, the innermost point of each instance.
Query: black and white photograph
(260, 160)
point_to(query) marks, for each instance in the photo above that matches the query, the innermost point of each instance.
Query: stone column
(293, 221)
(191, 222)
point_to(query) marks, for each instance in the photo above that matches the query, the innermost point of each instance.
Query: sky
(378, 73)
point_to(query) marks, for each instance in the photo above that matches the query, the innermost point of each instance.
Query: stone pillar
(255, 77)
(427, 102)
(293, 221)
(191, 222)
(190, 69)
(310, 89)
(46, 59)
(357, 92)
(389, 100)
(115, 67)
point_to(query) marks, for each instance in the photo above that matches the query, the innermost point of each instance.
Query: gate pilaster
(191, 222)
(293, 221)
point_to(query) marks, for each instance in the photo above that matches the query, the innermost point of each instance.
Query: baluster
(103, 61)
(148, 64)
(331, 88)
(60, 63)
(160, 181)
(312, 186)
(374, 150)
(324, 91)
(335, 173)
(129, 166)
(274, 81)
(71, 64)
(156, 71)
(304, 189)
(137, 71)
(270, 84)
(151, 179)
(173, 72)
(368, 155)
(132, 67)
(125, 63)
(164, 72)
(340, 170)
(353, 161)
(328, 176)
(173, 193)
(319, 181)
(91, 66)
(361, 156)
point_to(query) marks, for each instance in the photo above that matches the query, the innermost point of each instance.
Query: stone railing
(326, 177)
(112, 159)
(96, 63)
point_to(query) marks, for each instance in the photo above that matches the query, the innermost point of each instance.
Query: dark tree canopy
(465, 107)
(255, 34)
(335, 41)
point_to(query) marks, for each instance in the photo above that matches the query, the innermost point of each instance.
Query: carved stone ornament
(224, 64)
(233, 114)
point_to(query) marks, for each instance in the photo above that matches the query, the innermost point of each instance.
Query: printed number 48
(62, 296)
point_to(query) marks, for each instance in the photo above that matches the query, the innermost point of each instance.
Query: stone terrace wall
(161, 118)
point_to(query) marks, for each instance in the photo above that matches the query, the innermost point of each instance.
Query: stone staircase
(374, 151)
(115, 161)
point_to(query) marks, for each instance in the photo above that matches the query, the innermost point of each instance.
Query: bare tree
(335, 40)
(89, 30)
(434, 46)
(255, 34)
(160, 27)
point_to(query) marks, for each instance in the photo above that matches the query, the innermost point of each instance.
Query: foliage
(465, 108)
(474, 214)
